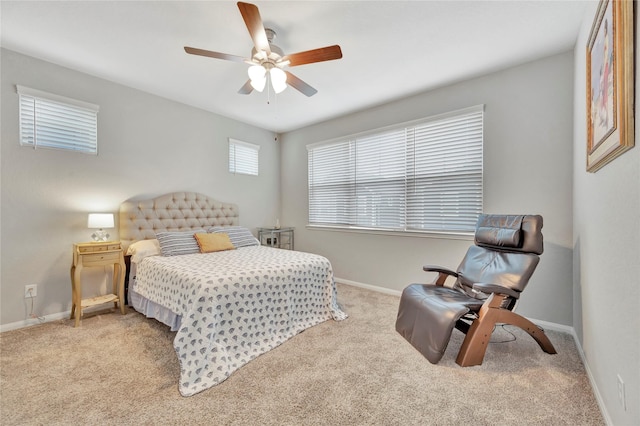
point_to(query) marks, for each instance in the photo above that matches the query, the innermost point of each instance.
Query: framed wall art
(610, 83)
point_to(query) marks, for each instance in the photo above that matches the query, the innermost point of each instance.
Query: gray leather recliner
(487, 285)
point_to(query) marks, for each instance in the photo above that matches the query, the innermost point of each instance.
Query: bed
(227, 305)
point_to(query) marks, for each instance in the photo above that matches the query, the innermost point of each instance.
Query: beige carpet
(122, 370)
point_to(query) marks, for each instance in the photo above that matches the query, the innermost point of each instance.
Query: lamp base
(100, 235)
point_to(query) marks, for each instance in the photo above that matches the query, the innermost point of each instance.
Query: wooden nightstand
(97, 254)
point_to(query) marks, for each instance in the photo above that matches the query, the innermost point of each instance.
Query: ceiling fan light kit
(268, 60)
(258, 77)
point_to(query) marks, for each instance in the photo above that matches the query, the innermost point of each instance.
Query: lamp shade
(256, 72)
(258, 84)
(278, 79)
(100, 220)
(257, 75)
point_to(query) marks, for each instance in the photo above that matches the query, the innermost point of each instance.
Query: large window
(53, 121)
(423, 176)
(243, 157)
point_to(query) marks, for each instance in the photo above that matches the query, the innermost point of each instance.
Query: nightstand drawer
(92, 248)
(90, 259)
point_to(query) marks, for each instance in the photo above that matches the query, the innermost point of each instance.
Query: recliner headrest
(521, 233)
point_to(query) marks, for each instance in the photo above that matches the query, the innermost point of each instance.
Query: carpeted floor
(118, 370)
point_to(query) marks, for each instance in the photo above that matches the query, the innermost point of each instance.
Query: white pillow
(143, 248)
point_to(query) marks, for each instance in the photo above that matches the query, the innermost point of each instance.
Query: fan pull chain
(269, 89)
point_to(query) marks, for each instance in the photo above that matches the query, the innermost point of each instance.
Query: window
(52, 121)
(423, 176)
(243, 157)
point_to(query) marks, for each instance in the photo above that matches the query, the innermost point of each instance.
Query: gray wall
(147, 146)
(606, 241)
(527, 163)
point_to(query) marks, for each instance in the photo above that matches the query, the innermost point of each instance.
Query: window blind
(380, 180)
(331, 183)
(420, 176)
(243, 157)
(52, 121)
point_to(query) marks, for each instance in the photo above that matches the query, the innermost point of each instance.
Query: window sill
(467, 236)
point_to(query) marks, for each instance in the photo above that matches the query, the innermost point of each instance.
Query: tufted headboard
(177, 211)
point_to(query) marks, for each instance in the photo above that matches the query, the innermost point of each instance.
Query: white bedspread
(236, 305)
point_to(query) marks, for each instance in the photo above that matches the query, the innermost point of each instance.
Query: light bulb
(278, 79)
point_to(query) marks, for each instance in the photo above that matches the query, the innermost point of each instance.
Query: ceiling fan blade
(252, 20)
(210, 54)
(246, 89)
(300, 85)
(328, 53)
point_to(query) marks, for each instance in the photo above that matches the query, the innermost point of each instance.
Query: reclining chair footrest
(428, 326)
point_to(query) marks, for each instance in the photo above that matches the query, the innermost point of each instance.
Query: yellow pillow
(213, 242)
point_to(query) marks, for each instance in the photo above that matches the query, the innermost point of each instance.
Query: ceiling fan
(268, 60)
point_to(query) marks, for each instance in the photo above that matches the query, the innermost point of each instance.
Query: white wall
(147, 146)
(606, 244)
(527, 162)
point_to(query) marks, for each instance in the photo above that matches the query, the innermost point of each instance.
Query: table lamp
(99, 221)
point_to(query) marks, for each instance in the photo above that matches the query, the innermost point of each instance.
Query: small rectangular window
(243, 157)
(53, 121)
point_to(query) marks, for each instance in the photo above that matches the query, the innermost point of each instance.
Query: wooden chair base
(476, 341)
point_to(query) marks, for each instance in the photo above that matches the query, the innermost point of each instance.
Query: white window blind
(420, 176)
(52, 121)
(243, 157)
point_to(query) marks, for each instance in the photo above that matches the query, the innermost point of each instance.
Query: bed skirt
(153, 310)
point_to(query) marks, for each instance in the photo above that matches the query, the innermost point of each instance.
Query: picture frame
(610, 83)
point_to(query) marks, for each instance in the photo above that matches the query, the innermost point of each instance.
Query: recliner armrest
(440, 270)
(443, 273)
(494, 288)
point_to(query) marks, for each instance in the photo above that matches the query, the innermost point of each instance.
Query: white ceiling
(391, 49)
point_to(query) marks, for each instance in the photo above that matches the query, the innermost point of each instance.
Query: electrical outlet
(30, 290)
(621, 395)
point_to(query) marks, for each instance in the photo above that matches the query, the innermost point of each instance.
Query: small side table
(107, 253)
(276, 237)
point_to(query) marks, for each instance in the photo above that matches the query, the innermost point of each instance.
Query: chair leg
(475, 343)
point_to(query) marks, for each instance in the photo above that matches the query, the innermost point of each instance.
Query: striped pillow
(239, 236)
(177, 243)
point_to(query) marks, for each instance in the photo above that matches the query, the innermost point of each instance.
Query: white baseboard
(596, 391)
(34, 321)
(544, 324)
(369, 287)
(554, 326)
